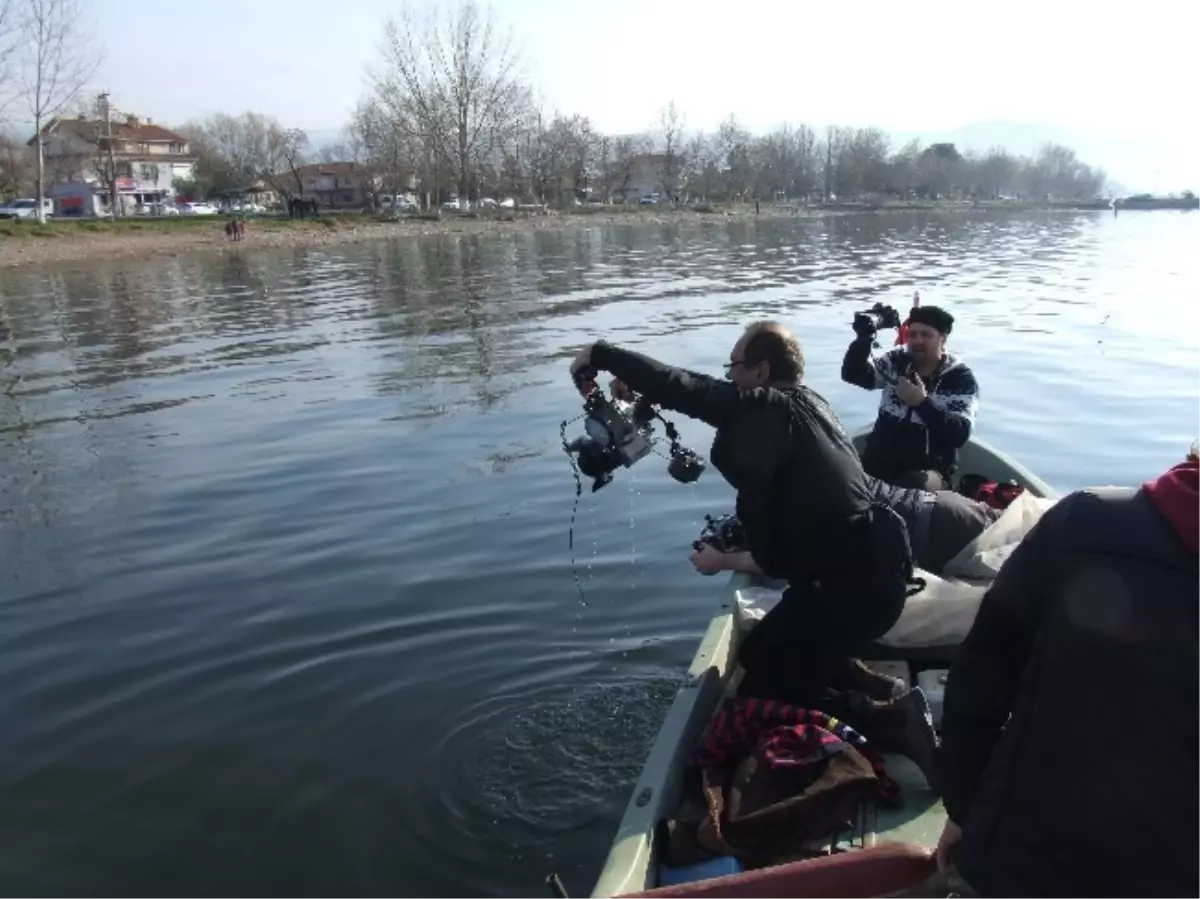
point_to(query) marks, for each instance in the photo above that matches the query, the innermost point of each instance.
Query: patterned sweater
(904, 438)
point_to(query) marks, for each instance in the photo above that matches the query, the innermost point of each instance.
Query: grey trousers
(954, 521)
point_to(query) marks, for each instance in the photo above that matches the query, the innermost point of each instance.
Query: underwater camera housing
(724, 534)
(618, 434)
(615, 434)
(878, 318)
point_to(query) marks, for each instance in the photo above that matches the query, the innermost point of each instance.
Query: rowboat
(632, 865)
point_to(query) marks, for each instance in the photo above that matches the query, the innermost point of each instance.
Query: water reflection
(285, 549)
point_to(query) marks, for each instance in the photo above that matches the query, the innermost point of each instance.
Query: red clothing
(1176, 497)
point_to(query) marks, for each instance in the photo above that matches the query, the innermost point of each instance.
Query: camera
(615, 434)
(724, 534)
(877, 318)
(619, 434)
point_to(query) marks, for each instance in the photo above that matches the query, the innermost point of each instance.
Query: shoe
(873, 683)
(912, 735)
(902, 724)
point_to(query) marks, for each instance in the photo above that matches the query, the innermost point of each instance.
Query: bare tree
(16, 171)
(292, 149)
(359, 147)
(9, 42)
(733, 148)
(701, 173)
(100, 137)
(544, 158)
(233, 151)
(671, 123)
(532, 154)
(626, 151)
(54, 62)
(904, 169)
(453, 80)
(579, 145)
(602, 166)
(384, 150)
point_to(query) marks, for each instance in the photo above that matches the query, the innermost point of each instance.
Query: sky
(1110, 77)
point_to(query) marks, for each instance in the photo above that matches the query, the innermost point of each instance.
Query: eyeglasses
(730, 366)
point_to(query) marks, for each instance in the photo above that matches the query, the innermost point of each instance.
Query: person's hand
(620, 390)
(911, 390)
(864, 326)
(581, 362)
(951, 834)
(709, 560)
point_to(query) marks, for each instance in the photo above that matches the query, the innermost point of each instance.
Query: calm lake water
(287, 605)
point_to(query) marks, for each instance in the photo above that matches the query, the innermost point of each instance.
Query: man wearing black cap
(928, 404)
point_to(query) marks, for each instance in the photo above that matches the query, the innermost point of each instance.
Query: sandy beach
(31, 244)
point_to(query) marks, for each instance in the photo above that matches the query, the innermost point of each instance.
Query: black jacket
(801, 488)
(1088, 638)
(905, 439)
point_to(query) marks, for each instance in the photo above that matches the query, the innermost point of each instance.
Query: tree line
(447, 112)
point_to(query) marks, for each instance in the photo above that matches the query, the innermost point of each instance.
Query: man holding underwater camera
(802, 498)
(929, 400)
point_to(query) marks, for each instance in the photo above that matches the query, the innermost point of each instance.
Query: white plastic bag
(943, 612)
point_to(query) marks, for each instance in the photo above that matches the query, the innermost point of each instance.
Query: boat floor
(920, 818)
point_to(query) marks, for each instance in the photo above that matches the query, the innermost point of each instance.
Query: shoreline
(88, 241)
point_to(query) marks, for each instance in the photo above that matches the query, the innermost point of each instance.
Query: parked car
(399, 204)
(197, 209)
(25, 208)
(157, 209)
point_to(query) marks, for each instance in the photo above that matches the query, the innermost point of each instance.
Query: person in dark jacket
(940, 526)
(929, 402)
(804, 501)
(1069, 729)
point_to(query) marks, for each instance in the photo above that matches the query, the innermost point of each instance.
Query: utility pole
(103, 105)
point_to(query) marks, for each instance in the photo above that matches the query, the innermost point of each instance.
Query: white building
(149, 159)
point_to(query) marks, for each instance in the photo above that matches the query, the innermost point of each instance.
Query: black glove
(864, 325)
(585, 378)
